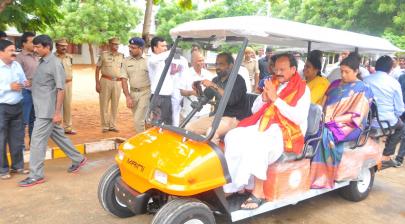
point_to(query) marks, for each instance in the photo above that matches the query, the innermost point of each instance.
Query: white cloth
(249, 152)
(181, 65)
(187, 84)
(245, 75)
(335, 74)
(300, 68)
(156, 64)
(396, 72)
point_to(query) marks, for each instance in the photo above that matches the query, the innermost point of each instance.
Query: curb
(86, 148)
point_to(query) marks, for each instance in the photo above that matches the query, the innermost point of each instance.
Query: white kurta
(182, 66)
(249, 152)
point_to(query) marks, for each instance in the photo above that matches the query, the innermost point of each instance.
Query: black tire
(106, 193)
(358, 190)
(182, 210)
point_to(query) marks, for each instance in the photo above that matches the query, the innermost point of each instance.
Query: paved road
(72, 199)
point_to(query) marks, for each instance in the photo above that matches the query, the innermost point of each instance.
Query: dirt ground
(72, 199)
(86, 111)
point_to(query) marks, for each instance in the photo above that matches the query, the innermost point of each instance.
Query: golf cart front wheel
(359, 190)
(184, 211)
(106, 194)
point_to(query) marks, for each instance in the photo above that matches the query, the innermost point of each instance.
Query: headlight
(120, 155)
(127, 146)
(160, 177)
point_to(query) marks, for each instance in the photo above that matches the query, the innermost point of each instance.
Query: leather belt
(68, 80)
(111, 78)
(140, 89)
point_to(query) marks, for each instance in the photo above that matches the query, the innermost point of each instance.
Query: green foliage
(95, 21)
(373, 17)
(30, 15)
(171, 14)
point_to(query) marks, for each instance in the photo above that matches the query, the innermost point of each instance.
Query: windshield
(196, 81)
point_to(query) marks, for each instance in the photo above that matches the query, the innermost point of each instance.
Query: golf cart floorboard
(237, 214)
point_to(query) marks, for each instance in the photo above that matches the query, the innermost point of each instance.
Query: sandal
(5, 176)
(252, 200)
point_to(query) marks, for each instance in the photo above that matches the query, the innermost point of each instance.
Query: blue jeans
(11, 134)
(28, 111)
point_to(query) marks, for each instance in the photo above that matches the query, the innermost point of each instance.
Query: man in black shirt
(236, 107)
(264, 64)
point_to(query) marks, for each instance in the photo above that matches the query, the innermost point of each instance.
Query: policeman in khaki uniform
(67, 61)
(109, 84)
(135, 69)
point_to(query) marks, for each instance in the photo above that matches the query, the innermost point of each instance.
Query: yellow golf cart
(178, 175)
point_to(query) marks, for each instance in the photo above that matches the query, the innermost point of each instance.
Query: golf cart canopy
(279, 32)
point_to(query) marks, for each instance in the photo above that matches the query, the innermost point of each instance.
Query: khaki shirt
(110, 64)
(136, 70)
(253, 67)
(67, 61)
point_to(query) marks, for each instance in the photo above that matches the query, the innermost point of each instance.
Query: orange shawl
(269, 114)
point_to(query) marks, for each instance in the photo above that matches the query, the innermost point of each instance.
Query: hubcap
(194, 221)
(364, 182)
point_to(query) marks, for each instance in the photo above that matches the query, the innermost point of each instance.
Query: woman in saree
(316, 83)
(346, 105)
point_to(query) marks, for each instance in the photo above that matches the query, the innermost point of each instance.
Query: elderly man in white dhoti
(278, 125)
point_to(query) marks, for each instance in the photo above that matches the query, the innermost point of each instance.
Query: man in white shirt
(162, 106)
(12, 81)
(396, 68)
(196, 73)
(278, 125)
(178, 70)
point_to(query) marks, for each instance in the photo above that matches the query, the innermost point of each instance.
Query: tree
(183, 4)
(373, 17)
(29, 15)
(170, 15)
(95, 21)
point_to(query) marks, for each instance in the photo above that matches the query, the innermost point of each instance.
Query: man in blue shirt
(12, 81)
(388, 95)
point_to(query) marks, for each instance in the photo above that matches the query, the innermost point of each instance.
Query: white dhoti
(248, 154)
(176, 107)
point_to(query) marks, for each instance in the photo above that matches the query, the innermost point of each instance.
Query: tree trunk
(4, 4)
(147, 22)
(91, 53)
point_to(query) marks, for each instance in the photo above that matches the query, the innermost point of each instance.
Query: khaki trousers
(109, 98)
(203, 125)
(67, 109)
(141, 104)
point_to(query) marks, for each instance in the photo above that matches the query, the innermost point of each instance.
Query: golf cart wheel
(184, 211)
(106, 194)
(359, 190)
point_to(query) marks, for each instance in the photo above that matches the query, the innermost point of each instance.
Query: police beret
(137, 41)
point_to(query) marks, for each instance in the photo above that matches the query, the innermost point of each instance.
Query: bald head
(197, 61)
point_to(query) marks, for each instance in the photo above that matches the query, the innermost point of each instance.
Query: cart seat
(312, 140)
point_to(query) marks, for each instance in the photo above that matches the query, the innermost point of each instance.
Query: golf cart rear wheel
(359, 190)
(184, 211)
(106, 194)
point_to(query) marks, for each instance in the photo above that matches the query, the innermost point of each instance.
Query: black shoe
(389, 163)
(76, 167)
(398, 164)
(114, 130)
(28, 182)
(19, 171)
